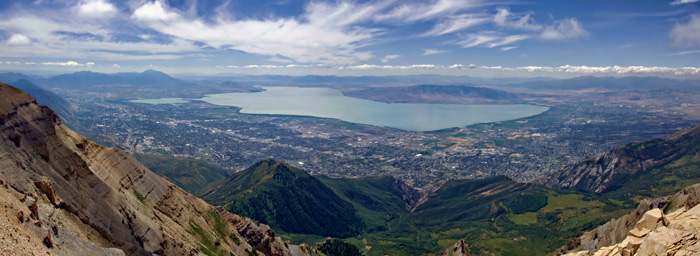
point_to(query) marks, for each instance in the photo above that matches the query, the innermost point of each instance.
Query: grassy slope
(375, 198)
(288, 199)
(190, 174)
(481, 212)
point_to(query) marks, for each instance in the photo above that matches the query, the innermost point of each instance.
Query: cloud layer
(340, 35)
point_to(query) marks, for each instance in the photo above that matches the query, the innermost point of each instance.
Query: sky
(510, 38)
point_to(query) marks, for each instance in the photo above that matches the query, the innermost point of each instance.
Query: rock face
(625, 235)
(409, 195)
(677, 233)
(459, 249)
(607, 171)
(62, 194)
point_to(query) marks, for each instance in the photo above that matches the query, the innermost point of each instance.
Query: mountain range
(456, 94)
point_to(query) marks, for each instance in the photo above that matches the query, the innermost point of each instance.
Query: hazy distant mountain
(231, 86)
(435, 94)
(46, 98)
(363, 81)
(12, 76)
(611, 83)
(87, 79)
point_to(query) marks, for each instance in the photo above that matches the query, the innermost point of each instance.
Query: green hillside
(377, 199)
(189, 174)
(494, 215)
(286, 198)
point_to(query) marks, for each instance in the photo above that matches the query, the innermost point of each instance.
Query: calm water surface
(330, 103)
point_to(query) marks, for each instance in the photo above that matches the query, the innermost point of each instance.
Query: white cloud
(619, 70)
(115, 65)
(505, 49)
(460, 66)
(326, 33)
(490, 39)
(427, 52)
(18, 39)
(505, 18)
(96, 9)
(154, 11)
(412, 12)
(564, 29)
(69, 63)
(677, 2)
(687, 34)
(267, 66)
(456, 23)
(471, 40)
(388, 58)
(368, 66)
(571, 69)
(508, 40)
(53, 38)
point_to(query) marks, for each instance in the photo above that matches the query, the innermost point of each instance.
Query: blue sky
(384, 37)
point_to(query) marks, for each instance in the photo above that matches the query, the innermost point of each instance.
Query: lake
(331, 103)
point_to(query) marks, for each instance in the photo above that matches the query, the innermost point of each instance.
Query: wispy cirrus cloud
(425, 10)
(457, 23)
(427, 52)
(489, 39)
(677, 2)
(505, 18)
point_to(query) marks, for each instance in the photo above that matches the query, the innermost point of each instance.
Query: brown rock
(458, 249)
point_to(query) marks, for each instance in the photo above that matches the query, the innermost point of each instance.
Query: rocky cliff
(656, 233)
(629, 232)
(611, 170)
(62, 194)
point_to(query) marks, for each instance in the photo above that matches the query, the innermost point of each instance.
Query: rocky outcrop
(63, 194)
(636, 225)
(458, 249)
(607, 171)
(408, 194)
(677, 233)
